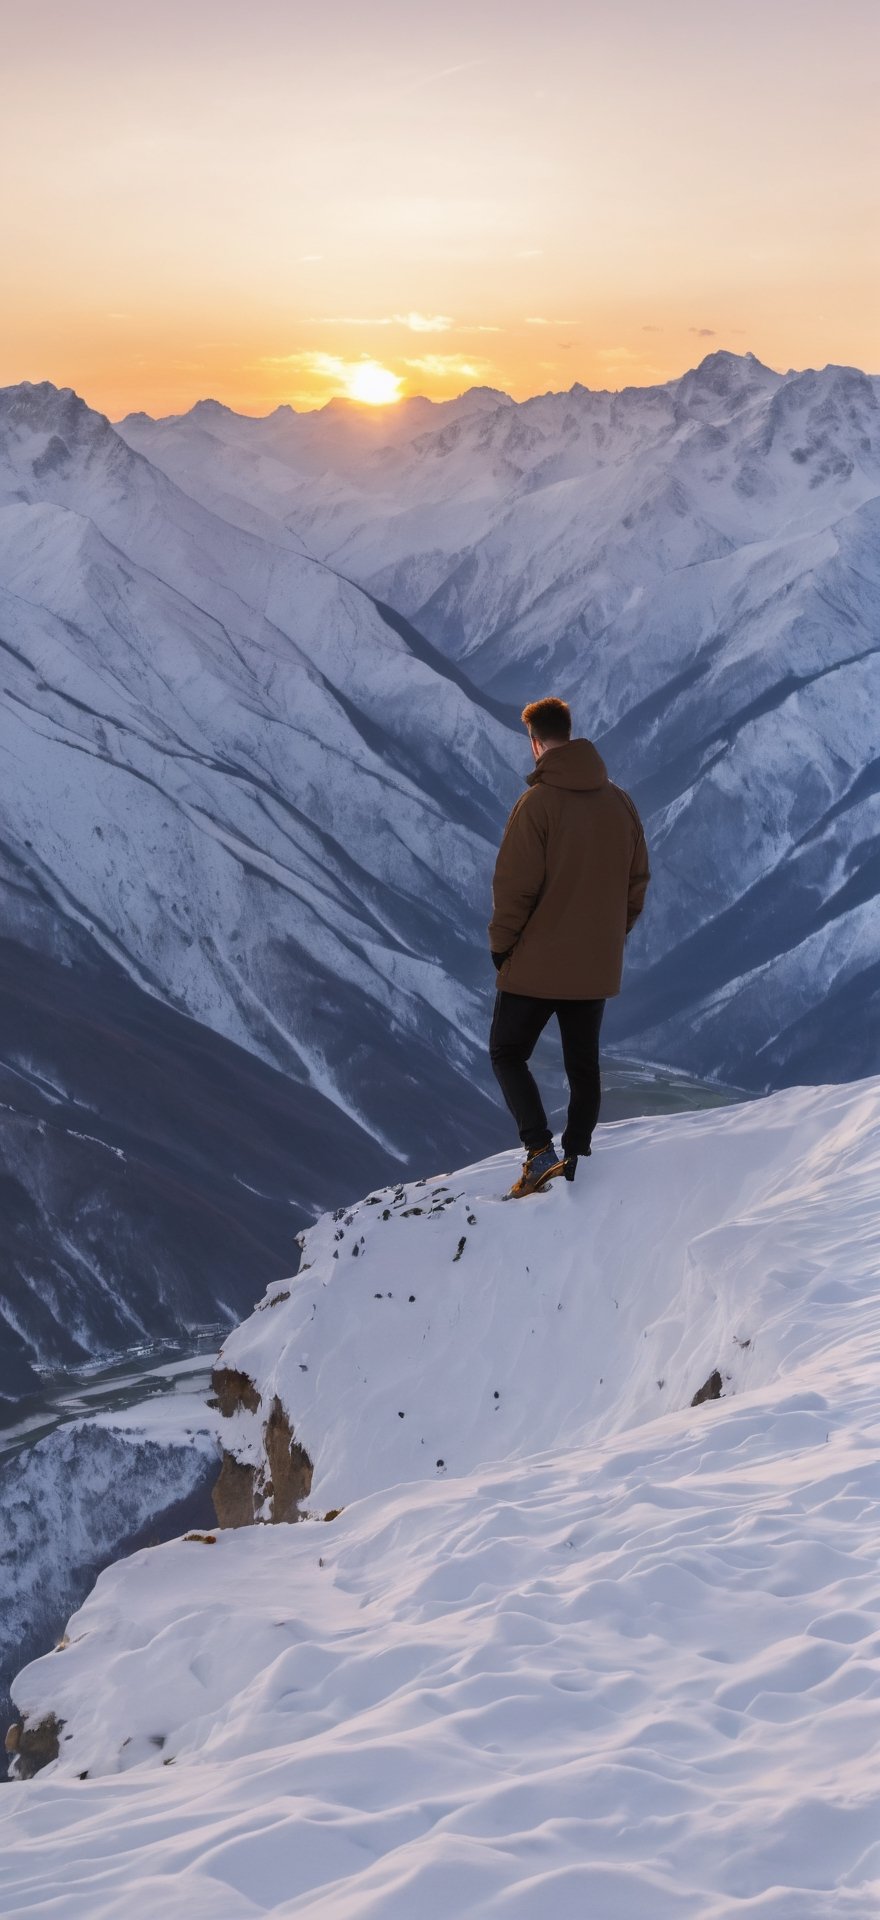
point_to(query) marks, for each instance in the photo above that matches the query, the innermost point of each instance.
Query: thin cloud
(703, 333)
(538, 320)
(304, 257)
(416, 322)
(328, 366)
(448, 366)
(425, 322)
(650, 329)
(349, 320)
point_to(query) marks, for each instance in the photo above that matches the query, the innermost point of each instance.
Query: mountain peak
(42, 408)
(724, 359)
(211, 408)
(731, 378)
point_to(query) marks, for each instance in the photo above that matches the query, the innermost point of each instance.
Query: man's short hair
(548, 719)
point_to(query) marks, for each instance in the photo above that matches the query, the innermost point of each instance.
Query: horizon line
(366, 408)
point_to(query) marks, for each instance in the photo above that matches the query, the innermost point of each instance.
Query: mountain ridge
(693, 565)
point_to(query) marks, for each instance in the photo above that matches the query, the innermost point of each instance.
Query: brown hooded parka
(570, 880)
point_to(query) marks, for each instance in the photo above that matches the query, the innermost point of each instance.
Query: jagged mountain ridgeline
(259, 726)
(697, 567)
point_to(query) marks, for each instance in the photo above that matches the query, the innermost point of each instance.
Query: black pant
(517, 1024)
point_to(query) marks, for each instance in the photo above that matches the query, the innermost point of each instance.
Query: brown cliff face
(32, 1747)
(290, 1468)
(246, 1494)
(234, 1390)
(233, 1494)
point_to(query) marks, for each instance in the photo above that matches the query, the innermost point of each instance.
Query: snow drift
(576, 1648)
(435, 1327)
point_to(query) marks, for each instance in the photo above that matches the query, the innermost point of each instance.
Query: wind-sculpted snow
(696, 567)
(617, 1656)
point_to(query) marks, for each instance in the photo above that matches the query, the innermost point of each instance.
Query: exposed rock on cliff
(32, 1744)
(272, 1487)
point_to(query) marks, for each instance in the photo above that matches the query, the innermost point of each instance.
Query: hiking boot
(541, 1165)
(570, 1166)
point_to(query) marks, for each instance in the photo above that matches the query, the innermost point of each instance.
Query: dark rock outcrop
(244, 1494)
(234, 1390)
(233, 1494)
(32, 1747)
(710, 1389)
(290, 1468)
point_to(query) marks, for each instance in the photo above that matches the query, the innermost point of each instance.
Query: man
(569, 884)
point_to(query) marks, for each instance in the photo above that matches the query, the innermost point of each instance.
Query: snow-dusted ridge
(435, 1322)
(614, 1657)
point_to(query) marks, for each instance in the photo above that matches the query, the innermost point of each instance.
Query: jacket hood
(576, 765)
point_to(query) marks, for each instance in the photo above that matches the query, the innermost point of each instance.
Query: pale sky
(256, 201)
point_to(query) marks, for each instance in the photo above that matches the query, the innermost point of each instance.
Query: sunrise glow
(367, 218)
(375, 385)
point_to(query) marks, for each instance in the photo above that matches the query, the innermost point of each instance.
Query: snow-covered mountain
(258, 733)
(246, 823)
(697, 567)
(573, 1645)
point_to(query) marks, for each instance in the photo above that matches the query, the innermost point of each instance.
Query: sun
(374, 384)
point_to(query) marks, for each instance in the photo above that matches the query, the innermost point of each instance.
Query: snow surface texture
(69, 1504)
(696, 567)
(615, 1657)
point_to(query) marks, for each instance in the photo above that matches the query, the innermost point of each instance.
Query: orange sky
(251, 202)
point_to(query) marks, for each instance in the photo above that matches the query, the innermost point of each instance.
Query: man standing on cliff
(569, 884)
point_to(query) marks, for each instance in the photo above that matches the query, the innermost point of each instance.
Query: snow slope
(695, 566)
(616, 1655)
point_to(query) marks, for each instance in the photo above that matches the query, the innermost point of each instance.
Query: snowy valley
(245, 830)
(112, 1460)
